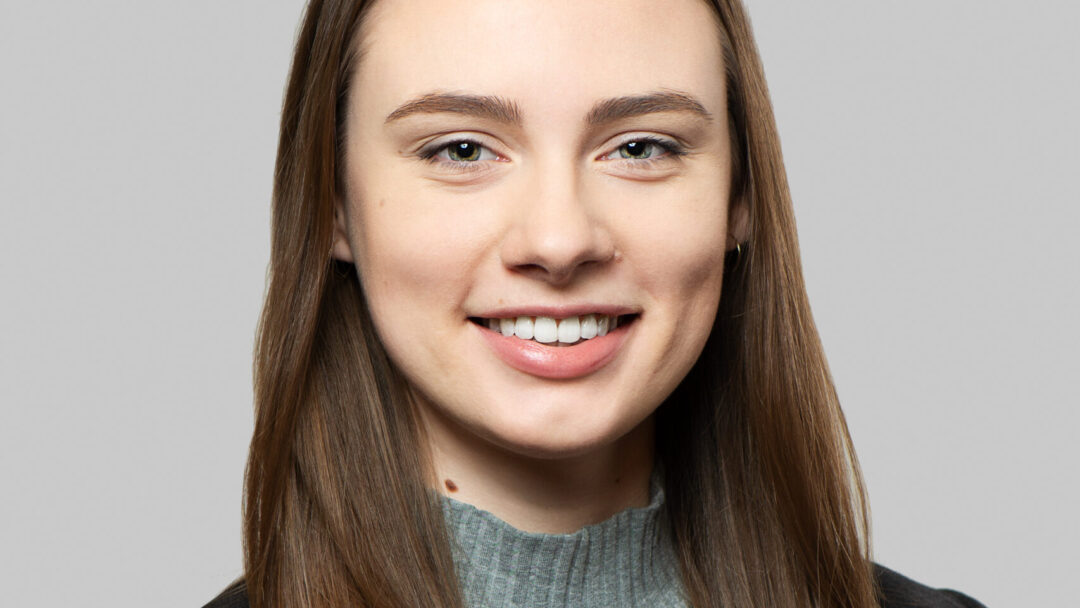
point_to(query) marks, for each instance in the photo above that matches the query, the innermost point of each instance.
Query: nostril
(553, 251)
(531, 268)
(557, 275)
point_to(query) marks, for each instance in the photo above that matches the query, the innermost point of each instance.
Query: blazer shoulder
(234, 596)
(899, 591)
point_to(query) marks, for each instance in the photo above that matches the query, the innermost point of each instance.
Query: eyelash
(429, 154)
(672, 149)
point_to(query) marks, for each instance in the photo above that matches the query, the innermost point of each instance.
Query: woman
(536, 332)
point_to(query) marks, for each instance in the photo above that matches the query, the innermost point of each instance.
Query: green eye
(636, 149)
(463, 151)
(458, 154)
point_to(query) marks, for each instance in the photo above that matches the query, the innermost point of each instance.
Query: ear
(738, 222)
(341, 249)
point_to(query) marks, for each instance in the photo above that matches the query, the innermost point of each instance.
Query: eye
(459, 151)
(639, 149)
(645, 149)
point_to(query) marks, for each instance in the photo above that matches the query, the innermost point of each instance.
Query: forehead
(546, 55)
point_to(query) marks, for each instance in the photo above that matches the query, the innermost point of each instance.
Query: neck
(554, 495)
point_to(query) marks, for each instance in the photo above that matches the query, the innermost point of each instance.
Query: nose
(556, 233)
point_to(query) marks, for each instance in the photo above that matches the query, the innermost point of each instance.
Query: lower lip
(557, 362)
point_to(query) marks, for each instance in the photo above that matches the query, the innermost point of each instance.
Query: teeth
(545, 331)
(523, 328)
(569, 330)
(588, 327)
(548, 330)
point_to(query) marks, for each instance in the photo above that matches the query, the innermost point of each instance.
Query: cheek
(684, 278)
(404, 263)
(415, 261)
(680, 245)
(411, 279)
(397, 251)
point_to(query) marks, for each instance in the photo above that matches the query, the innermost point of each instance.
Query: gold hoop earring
(738, 252)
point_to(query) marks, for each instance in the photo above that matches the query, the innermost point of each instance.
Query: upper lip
(556, 311)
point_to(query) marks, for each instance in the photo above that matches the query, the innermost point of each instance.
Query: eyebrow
(505, 111)
(618, 108)
(479, 106)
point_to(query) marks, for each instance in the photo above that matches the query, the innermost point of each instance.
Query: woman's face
(539, 169)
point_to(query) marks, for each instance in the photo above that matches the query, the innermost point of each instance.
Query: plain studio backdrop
(932, 148)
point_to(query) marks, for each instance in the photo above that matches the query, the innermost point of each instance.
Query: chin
(558, 431)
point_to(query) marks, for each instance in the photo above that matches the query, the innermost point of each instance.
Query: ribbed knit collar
(627, 560)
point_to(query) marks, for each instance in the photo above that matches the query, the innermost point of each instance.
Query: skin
(549, 214)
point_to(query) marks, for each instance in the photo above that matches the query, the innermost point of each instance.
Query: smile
(570, 353)
(555, 332)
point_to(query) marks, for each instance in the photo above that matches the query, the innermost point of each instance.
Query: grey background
(932, 148)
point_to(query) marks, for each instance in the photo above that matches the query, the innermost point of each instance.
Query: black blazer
(897, 591)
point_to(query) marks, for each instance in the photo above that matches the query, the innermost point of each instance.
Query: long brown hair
(765, 499)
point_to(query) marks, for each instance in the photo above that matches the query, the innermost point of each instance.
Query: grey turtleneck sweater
(628, 560)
